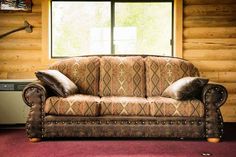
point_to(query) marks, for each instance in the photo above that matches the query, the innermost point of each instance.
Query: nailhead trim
(170, 122)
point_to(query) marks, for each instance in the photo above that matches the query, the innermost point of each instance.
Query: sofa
(123, 96)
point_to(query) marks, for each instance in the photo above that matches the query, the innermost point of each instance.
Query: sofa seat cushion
(168, 107)
(122, 76)
(79, 105)
(124, 106)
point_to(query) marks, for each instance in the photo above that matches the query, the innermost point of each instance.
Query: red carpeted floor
(13, 143)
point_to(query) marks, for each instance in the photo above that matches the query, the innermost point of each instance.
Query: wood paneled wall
(209, 42)
(20, 52)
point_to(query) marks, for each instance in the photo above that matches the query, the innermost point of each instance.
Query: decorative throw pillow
(184, 88)
(58, 82)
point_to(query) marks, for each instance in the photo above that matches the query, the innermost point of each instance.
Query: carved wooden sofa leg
(34, 139)
(213, 140)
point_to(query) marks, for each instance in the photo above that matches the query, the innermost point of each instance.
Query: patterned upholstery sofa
(121, 96)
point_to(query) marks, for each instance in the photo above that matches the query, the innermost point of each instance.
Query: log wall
(209, 42)
(20, 52)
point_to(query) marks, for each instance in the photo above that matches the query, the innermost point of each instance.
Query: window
(111, 27)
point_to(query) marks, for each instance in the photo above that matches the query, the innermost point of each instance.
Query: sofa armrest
(213, 96)
(34, 95)
(214, 93)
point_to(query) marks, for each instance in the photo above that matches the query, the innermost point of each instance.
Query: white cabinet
(13, 110)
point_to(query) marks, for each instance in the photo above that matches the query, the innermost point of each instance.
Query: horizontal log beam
(220, 77)
(216, 66)
(194, 2)
(4, 67)
(210, 43)
(229, 112)
(36, 34)
(209, 21)
(210, 32)
(217, 54)
(209, 10)
(24, 44)
(8, 20)
(21, 75)
(20, 56)
(231, 87)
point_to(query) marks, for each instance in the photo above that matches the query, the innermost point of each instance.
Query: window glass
(84, 28)
(144, 28)
(80, 28)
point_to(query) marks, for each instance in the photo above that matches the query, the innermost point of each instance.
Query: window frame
(112, 9)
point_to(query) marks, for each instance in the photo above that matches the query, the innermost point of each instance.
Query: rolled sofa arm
(214, 96)
(214, 93)
(34, 95)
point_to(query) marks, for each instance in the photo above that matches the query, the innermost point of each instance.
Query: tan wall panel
(20, 67)
(231, 87)
(3, 75)
(229, 43)
(188, 2)
(37, 2)
(221, 77)
(229, 112)
(210, 32)
(17, 20)
(36, 8)
(36, 34)
(220, 66)
(209, 43)
(231, 99)
(20, 56)
(21, 52)
(214, 9)
(24, 44)
(21, 75)
(217, 54)
(210, 21)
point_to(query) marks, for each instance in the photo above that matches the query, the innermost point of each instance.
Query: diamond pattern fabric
(79, 105)
(83, 71)
(124, 106)
(163, 71)
(168, 107)
(122, 76)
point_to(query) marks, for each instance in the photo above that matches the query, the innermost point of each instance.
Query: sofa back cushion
(163, 71)
(83, 71)
(122, 76)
